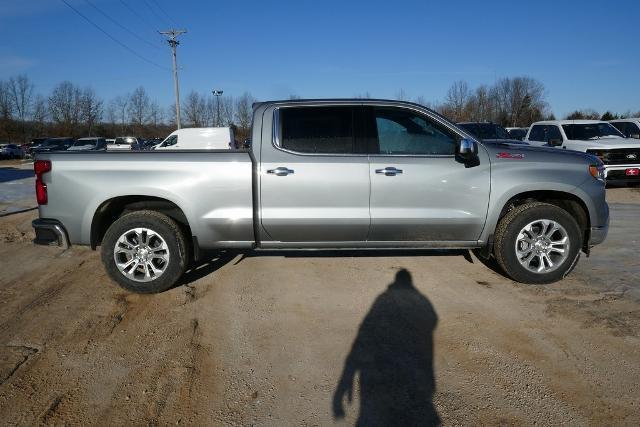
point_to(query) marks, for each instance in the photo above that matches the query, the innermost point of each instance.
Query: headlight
(597, 171)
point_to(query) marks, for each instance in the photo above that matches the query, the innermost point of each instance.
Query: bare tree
(90, 108)
(39, 115)
(401, 95)
(138, 107)
(64, 106)
(155, 114)
(195, 109)
(21, 91)
(227, 110)
(244, 111)
(119, 105)
(457, 99)
(6, 106)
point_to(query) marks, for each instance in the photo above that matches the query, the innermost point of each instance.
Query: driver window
(402, 131)
(172, 140)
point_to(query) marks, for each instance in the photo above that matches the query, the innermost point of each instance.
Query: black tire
(507, 233)
(168, 230)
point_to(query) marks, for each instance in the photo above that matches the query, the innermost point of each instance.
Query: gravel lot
(287, 338)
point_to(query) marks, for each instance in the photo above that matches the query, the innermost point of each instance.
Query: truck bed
(213, 188)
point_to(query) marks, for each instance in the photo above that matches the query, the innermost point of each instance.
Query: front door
(420, 191)
(315, 178)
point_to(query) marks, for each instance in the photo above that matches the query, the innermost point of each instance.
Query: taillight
(41, 167)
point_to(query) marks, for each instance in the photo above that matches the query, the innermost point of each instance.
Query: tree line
(71, 110)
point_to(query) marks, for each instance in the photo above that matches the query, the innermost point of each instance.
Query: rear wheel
(144, 252)
(537, 243)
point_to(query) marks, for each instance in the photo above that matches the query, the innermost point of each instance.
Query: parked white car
(620, 155)
(89, 144)
(220, 138)
(629, 127)
(122, 143)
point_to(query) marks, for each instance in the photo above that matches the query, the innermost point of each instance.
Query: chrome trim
(56, 228)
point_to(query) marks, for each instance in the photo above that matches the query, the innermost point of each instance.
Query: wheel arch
(567, 201)
(112, 209)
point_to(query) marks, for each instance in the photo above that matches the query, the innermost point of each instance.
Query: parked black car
(489, 132)
(53, 144)
(518, 133)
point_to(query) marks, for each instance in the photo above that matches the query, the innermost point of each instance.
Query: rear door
(420, 191)
(314, 178)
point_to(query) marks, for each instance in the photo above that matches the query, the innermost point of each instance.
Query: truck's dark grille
(618, 156)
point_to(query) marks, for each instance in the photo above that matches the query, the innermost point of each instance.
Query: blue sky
(586, 53)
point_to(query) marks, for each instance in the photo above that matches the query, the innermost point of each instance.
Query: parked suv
(620, 155)
(628, 127)
(53, 144)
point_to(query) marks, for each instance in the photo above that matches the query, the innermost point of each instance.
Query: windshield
(585, 131)
(85, 142)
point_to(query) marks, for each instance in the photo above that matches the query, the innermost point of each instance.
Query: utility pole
(171, 39)
(217, 93)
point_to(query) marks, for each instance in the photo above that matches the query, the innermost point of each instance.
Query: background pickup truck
(321, 175)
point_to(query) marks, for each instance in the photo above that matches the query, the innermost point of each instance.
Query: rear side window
(537, 133)
(318, 130)
(402, 131)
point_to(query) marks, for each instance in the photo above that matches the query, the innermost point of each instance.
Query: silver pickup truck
(324, 174)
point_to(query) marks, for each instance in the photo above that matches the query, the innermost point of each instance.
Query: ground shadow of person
(393, 356)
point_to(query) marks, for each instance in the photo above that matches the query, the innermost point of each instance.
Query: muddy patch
(12, 357)
(619, 316)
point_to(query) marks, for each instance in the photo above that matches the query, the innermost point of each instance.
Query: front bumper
(617, 173)
(50, 232)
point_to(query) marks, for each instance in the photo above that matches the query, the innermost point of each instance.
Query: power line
(121, 26)
(113, 38)
(142, 18)
(163, 11)
(156, 13)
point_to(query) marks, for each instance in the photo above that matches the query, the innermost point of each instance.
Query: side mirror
(467, 148)
(555, 142)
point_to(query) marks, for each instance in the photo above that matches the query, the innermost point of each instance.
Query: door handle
(389, 171)
(280, 171)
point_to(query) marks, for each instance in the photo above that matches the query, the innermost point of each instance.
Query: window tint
(632, 129)
(621, 126)
(321, 130)
(537, 133)
(553, 133)
(402, 131)
(172, 140)
(586, 131)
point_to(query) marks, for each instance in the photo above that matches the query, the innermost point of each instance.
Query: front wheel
(144, 252)
(537, 243)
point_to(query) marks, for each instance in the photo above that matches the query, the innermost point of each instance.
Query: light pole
(217, 93)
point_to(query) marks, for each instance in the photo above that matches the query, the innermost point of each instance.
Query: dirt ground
(287, 338)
